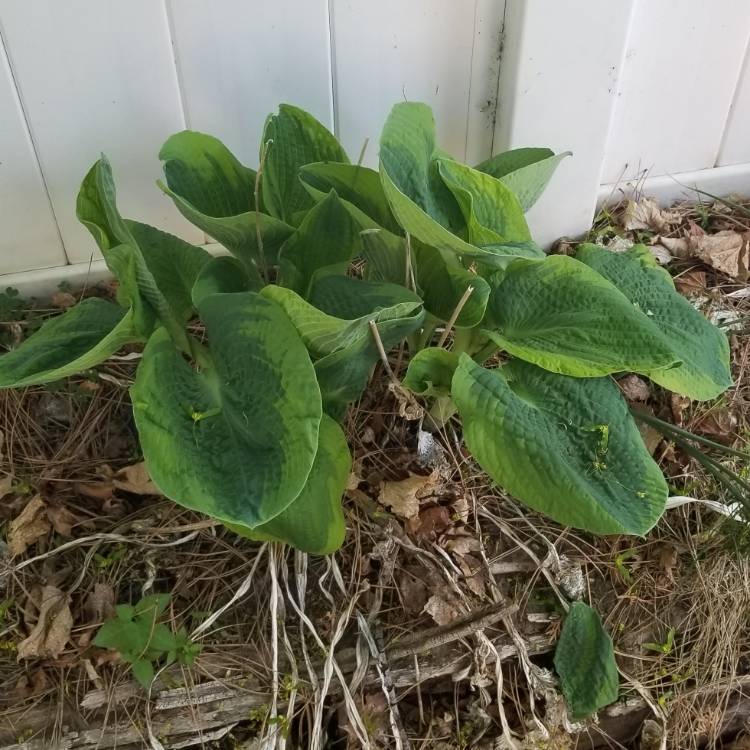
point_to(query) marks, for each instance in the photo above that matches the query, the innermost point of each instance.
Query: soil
(433, 626)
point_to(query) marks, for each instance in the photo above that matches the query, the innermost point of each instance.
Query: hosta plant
(240, 417)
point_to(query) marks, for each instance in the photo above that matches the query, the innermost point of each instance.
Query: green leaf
(324, 244)
(223, 275)
(314, 522)
(567, 447)
(215, 192)
(80, 338)
(236, 439)
(526, 171)
(419, 199)
(123, 635)
(296, 139)
(441, 281)
(491, 211)
(152, 606)
(357, 186)
(119, 241)
(431, 371)
(701, 347)
(143, 671)
(174, 264)
(565, 317)
(349, 298)
(585, 661)
(344, 351)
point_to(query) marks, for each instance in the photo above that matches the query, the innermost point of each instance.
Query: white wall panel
(93, 76)
(239, 60)
(442, 52)
(735, 147)
(28, 234)
(681, 68)
(558, 76)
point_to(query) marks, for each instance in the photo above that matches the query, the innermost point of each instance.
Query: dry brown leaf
(100, 603)
(52, 630)
(31, 524)
(6, 485)
(62, 519)
(474, 573)
(634, 388)
(691, 283)
(63, 300)
(718, 423)
(413, 592)
(403, 496)
(135, 479)
(95, 490)
(646, 214)
(433, 521)
(462, 543)
(408, 407)
(441, 610)
(668, 559)
(679, 405)
(726, 251)
(650, 435)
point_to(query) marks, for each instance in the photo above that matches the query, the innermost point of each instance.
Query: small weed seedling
(142, 641)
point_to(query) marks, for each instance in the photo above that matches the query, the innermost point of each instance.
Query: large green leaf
(215, 192)
(314, 522)
(357, 186)
(344, 351)
(491, 211)
(222, 275)
(173, 263)
(702, 348)
(566, 447)
(349, 298)
(80, 338)
(526, 171)
(294, 138)
(148, 283)
(430, 372)
(235, 439)
(385, 254)
(324, 244)
(419, 199)
(585, 661)
(565, 317)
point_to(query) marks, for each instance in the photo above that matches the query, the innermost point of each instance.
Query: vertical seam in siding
(4, 50)
(334, 112)
(471, 79)
(496, 107)
(745, 61)
(175, 59)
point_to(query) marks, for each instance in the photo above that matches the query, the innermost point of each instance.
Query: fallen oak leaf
(646, 214)
(52, 630)
(441, 610)
(135, 479)
(726, 251)
(403, 496)
(62, 519)
(31, 524)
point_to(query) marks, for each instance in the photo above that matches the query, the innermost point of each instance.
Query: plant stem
(381, 352)
(454, 317)
(483, 354)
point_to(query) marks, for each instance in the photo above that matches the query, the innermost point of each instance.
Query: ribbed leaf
(491, 211)
(702, 348)
(526, 171)
(357, 186)
(215, 192)
(349, 298)
(237, 438)
(585, 661)
(566, 447)
(296, 138)
(344, 351)
(77, 340)
(385, 254)
(431, 372)
(314, 522)
(324, 244)
(222, 275)
(419, 199)
(565, 317)
(138, 255)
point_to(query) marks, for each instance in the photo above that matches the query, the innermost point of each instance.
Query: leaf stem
(381, 352)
